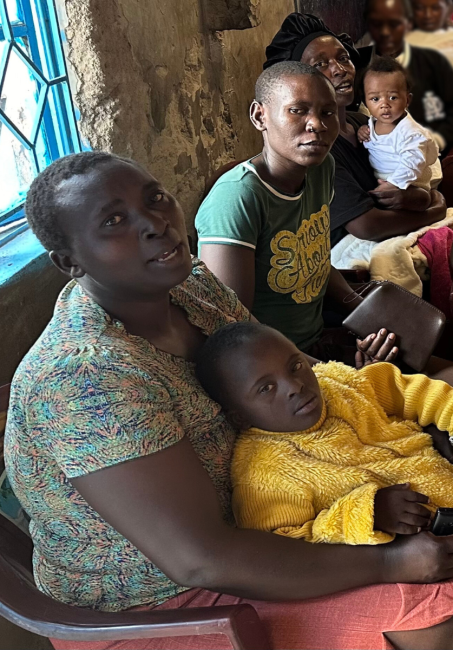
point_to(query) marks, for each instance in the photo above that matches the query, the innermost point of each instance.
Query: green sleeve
(233, 213)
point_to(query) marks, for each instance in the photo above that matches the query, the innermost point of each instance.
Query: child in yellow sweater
(329, 453)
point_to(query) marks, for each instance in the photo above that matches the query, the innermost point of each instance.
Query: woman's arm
(234, 266)
(411, 199)
(166, 505)
(377, 224)
(339, 291)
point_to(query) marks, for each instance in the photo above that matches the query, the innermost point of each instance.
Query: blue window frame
(37, 119)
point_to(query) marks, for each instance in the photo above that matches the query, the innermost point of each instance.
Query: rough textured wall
(157, 83)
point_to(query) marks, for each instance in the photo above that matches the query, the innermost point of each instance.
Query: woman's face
(430, 15)
(300, 121)
(330, 57)
(388, 25)
(127, 233)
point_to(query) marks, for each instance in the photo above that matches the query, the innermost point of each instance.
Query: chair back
(23, 604)
(15, 546)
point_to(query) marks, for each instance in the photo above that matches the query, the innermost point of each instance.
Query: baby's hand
(363, 133)
(397, 509)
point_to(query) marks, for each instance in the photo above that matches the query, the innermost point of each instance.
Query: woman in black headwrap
(358, 207)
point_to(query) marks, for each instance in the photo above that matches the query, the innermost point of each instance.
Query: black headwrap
(296, 32)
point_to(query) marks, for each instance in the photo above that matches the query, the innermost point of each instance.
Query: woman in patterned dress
(122, 461)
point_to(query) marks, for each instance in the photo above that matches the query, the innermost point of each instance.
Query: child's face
(386, 95)
(430, 15)
(388, 24)
(270, 385)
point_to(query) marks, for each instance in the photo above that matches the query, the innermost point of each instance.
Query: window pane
(17, 169)
(3, 48)
(38, 119)
(24, 45)
(13, 10)
(20, 94)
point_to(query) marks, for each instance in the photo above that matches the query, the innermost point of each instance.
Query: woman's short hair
(273, 76)
(41, 207)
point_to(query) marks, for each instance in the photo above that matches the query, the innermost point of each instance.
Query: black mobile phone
(443, 522)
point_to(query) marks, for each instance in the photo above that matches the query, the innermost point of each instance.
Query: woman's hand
(392, 198)
(441, 441)
(363, 134)
(398, 509)
(422, 558)
(385, 186)
(375, 348)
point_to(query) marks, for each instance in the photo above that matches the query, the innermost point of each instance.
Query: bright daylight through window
(37, 121)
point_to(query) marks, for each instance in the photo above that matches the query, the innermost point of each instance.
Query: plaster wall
(153, 80)
(27, 303)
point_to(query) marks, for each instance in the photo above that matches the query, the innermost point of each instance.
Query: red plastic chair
(23, 604)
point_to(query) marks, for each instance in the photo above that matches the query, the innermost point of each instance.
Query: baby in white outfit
(401, 151)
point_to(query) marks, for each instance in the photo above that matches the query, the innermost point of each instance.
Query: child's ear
(409, 98)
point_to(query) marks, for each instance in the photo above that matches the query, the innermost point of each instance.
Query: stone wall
(154, 80)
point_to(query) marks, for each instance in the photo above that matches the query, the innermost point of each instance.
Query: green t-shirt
(291, 238)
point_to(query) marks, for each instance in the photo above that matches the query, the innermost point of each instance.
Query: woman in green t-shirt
(264, 228)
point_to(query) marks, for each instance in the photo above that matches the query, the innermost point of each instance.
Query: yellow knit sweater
(320, 484)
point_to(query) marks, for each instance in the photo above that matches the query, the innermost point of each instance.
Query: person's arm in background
(341, 294)
(412, 199)
(377, 224)
(380, 214)
(234, 266)
(416, 153)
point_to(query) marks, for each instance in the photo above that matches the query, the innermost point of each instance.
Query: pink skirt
(345, 621)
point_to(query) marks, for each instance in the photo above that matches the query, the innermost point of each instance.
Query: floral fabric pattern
(88, 396)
